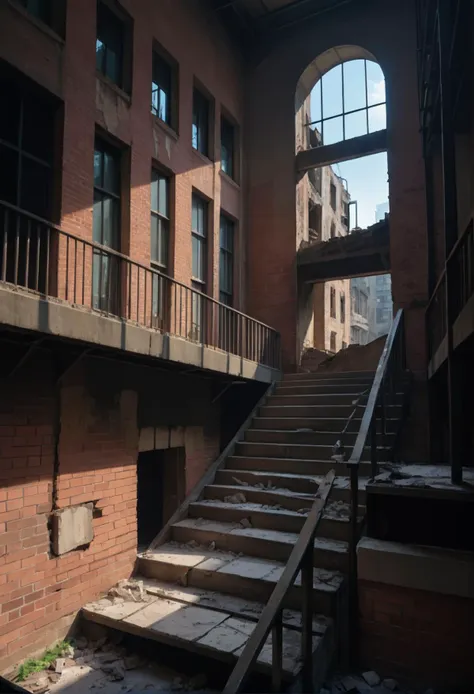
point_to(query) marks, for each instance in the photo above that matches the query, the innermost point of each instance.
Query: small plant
(37, 664)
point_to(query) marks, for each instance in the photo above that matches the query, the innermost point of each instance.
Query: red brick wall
(421, 638)
(97, 453)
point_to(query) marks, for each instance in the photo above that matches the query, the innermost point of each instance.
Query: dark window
(344, 345)
(226, 261)
(106, 226)
(333, 196)
(110, 44)
(332, 342)
(343, 307)
(333, 230)
(227, 148)
(201, 115)
(162, 88)
(27, 143)
(199, 263)
(333, 303)
(41, 9)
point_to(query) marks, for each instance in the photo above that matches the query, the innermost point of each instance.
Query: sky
(366, 177)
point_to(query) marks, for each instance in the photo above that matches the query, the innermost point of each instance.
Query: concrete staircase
(205, 588)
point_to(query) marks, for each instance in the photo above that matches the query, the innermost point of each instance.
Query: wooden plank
(257, 640)
(165, 534)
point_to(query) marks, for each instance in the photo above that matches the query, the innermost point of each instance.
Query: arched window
(348, 101)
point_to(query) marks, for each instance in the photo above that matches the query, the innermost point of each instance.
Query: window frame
(202, 238)
(333, 196)
(226, 123)
(164, 219)
(206, 98)
(57, 15)
(160, 54)
(342, 307)
(126, 49)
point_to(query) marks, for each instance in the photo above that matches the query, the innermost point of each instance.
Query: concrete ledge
(26, 311)
(449, 572)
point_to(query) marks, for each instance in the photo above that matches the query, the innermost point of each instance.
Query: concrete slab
(228, 636)
(249, 568)
(151, 616)
(114, 609)
(187, 623)
(72, 528)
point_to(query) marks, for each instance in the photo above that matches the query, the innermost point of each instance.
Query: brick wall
(97, 421)
(418, 637)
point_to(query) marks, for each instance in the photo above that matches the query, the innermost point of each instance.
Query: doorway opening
(160, 491)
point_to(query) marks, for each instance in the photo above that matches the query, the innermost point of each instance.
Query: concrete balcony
(61, 285)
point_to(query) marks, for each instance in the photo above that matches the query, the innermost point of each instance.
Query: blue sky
(366, 177)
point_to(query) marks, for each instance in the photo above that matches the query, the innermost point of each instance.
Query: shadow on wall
(354, 358)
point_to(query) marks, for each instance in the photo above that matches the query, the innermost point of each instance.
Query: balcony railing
(42, 258)
(459, 271)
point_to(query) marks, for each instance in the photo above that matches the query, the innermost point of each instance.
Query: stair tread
(227, 528)
(187, 618)
(265, 570)
(340, 482)
(326, 461)
(294, 445)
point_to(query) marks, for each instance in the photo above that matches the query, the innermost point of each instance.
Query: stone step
(361, 376)
(318, 411)
(301, 451)
(327, 399)
(292, 465)
(317, 424)
(227, 573)
(313, 438)
(333, 526)
(313, 388)
(208, 623)
(288, 491)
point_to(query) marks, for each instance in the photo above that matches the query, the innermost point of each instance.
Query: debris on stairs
(235, 539)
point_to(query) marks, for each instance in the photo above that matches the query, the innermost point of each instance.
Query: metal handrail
(301, 558)
(40, 256)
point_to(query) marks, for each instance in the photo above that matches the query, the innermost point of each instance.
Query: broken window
(348, 101)
(112, 47)
(333, 302)
(164, 88)
(227, 147)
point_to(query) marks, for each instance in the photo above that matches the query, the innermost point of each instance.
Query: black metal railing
(455, 285)
(271, 620)
(389, 376)
(42, 258)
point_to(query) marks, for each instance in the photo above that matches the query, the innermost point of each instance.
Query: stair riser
(349, 399)
(317, 388)
(319, 411)
(267, 497)
(307, 437)
(330, 529)
(257, 547)
(326, 376)
(253, 588)
(306, 452)
(321, 425)
(296, 467)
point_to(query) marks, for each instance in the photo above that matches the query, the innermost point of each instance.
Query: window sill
(167, 129)
(44, 28)
(202, 156)
(114, 87)
(229, 180)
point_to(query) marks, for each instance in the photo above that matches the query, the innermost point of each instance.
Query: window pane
(109, 44)
(161, 88)
(200, 131)
(100, 55)
(199, 216)
(227, 147)
(315, 102)
(36, 188)
(110, 223)
(356, 124)
(97, 218)
(332, 92)
(377, 118)
(111, 173)
(38, 117)
(333, 131)
(8, 175)
(354, 85)
(10, 112)
(98, 165)
(198, 268)
(159, 241)
(159, 193)
(376, 83)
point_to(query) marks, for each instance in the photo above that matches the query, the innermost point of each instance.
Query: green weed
(37, 664)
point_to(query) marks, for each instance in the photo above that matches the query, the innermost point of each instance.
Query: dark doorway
(150, 473)
(160, 490)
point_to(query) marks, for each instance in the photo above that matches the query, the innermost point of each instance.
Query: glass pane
(354, 85)
(198, 266)
(98, 166)
(110, 236)
(97, 218)
(356, 124)
(8, 175)
(111, 173)
(113, 68)
(163, 244)
(194, 220)
(163, 107)
(333, 131)
(10, 112)
(38, 127)
(154, 98)
(36, 188)
(377, 118)
(315, 102)
(154, 238)
(376, 83)
(163, 196)
(332, 92)
(100, 56)
(195, 136)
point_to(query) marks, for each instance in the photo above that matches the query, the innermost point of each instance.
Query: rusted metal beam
(342, 151)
